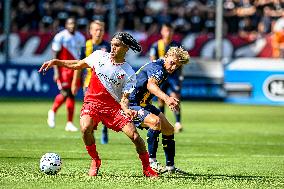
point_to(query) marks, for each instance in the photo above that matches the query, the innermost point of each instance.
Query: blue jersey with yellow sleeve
(88, 49)
(141, 95)
(159, 49)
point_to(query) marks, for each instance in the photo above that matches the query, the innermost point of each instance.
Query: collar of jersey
(117, 64)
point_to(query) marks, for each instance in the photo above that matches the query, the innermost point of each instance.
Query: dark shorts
(67, 92)
(142, 113)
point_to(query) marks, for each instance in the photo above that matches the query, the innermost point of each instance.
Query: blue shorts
(142, 113)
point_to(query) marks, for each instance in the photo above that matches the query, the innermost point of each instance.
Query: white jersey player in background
(66, 45)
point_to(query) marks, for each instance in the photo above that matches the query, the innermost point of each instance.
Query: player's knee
(156, 123)
(136, 136)
(86, 128)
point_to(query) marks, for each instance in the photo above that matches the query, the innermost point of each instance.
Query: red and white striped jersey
(114, 78)
(68, 45)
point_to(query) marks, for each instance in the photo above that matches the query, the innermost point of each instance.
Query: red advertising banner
(34, 48)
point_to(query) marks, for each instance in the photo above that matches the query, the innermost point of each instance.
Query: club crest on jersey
(158, 74)
(120, 75)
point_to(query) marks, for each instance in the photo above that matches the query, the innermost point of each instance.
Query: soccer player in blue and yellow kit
(150, 77)
(97, 30)
(172, 85)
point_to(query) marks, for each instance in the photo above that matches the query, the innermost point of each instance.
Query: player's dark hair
(128, 40)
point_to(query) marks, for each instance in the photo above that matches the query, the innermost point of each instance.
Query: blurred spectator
(144, 17)
(278, 38)
(230, 16)
(264, 26)
(210, 23)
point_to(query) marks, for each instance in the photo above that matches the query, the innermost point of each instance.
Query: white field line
(179, 154)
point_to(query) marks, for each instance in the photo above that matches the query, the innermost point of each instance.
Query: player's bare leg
(131, 132)
(87, 128)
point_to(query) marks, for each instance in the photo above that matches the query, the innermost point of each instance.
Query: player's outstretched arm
(72, 64)
(153, 88)
(76, 81)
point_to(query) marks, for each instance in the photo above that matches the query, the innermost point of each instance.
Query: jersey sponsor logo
(273, 88)
(106, 78)
(101, 64)
(143, 102)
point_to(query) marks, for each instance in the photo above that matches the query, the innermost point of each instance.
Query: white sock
(170, 168)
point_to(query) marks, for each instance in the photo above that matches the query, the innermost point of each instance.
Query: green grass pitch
(222, 146)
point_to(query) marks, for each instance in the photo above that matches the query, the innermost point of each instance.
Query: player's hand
(173, 103)
(130, 113)
(47, 65)
(74, 89)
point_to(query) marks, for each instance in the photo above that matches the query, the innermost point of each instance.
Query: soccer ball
(50, 163)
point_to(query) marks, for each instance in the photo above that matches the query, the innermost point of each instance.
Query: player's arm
(154, 88)
(55, 68)
(76, 81)
(71, 64)
(124, 103)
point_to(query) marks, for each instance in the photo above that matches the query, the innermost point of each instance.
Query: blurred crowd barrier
(204, 78)
(34, 47)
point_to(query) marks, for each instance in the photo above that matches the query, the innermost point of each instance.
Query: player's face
(118, 49)
(167, 33)
(70, 25)
(171, 63)
(97, 31)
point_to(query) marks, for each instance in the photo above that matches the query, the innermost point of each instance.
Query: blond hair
(180, 53)
(98, 22)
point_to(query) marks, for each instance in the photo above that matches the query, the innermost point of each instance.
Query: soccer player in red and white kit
(66, 45)
(106, 98)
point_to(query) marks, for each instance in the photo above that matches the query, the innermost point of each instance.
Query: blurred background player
(97, 30)
(66, 45)
(172, 85)
(149, 79)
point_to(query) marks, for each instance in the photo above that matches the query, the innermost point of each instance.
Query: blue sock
(169, 149)
(104, 139)
(177, 115)
(153, 141)
(162, 109)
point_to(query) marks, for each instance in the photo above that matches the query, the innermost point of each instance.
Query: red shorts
(111, 116)
(65, 78)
